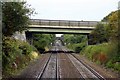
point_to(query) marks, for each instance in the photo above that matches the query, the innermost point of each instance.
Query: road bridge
(59, 27)
(62, 26)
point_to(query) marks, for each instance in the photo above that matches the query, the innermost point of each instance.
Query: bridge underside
(36, 29)
(61, 30)
(34, 32)
(29, 34)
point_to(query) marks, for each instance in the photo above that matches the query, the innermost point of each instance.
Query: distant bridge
(62, 26)
(58, 27)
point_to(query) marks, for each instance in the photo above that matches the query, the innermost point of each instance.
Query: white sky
(93, 10)
(86, 10)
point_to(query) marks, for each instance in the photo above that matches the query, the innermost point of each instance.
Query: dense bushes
(105, 54)
(41, 41)
(15, 55)
(76, 47)
(15, 17)
(99, 34)
(108, 53)
(75, 42)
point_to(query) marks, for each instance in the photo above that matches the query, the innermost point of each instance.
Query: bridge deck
(44, 22)
(68, 27)
(62, 26)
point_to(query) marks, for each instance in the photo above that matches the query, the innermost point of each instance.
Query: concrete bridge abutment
(29, 37)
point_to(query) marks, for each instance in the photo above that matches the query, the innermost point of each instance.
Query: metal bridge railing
(63, 23)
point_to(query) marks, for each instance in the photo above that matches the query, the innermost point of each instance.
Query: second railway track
(86, 71)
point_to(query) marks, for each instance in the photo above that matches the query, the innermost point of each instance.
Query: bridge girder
(60, 27)
(63, 29)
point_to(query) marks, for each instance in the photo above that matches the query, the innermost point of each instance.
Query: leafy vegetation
(112, 27)
(107, 53)
(15, 55)
(43, 41)
(75, 42)
(99, 35)
(105, 43)
(106, 32)
(15, 17)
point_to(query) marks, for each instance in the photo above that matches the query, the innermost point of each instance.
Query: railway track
(67, 65)
(86, 71)
(62, 63)
(49, 69)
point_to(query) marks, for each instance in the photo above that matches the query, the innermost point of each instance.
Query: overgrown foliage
(105, 42)
(99, 35)
(105, 54)
(15, 17)
(106, 32)
(41, 41)
(15, 55)
(75, 42)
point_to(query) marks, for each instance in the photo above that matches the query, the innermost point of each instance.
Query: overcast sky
(88, 10)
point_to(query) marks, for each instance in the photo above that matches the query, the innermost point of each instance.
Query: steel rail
(44, 67)
(75, 67)
(92, 70)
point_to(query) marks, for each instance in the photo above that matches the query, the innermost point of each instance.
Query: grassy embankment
(105, 54)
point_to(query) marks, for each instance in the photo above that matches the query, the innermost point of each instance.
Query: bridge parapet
(44, 22)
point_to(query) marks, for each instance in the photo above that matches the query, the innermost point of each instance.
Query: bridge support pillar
(20, 36)
(29, 37)
(89, 41)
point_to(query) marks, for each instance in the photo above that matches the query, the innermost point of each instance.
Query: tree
(15, 17)
(99, 35)
(106, 18)
(106, 32)
(74, 39)
(40, 41)
(112, 27)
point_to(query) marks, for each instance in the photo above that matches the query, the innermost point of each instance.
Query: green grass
(106, 54)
